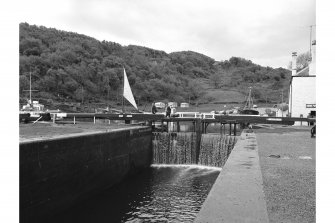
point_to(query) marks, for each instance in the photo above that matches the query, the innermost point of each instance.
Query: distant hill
(68, 66)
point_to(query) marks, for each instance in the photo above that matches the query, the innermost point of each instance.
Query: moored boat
(36, 112)
(249, 108)
(34, 109)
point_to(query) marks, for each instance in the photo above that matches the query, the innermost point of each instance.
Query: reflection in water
(159, 194)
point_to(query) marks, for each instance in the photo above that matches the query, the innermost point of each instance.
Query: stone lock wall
(57, 173)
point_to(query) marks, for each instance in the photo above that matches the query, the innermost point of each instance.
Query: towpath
(269, 177)
(287, 160)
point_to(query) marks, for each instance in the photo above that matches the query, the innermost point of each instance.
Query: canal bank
(237, 194)
(62, 165)
(269, 177)
(57, 172)
(287, 159)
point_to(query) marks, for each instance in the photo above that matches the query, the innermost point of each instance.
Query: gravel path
(287, 161)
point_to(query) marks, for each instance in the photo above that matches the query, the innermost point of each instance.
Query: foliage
(71, 66)
(216, 80)
(303, 60)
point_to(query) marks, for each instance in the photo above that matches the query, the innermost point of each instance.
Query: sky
(264, 31)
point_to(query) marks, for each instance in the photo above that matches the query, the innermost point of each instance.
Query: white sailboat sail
(127, 90)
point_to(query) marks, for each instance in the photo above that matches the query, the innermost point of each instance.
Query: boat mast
(30, 87)
(249, 100)
(30, 101)
(122, 104)
(123, 94)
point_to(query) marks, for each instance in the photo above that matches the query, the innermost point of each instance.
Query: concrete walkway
(268, 179)
(237, 195)
(287, 160)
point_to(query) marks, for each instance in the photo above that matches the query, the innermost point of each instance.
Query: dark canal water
(159, 194)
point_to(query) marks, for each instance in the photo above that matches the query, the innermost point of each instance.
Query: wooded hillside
(74, 67)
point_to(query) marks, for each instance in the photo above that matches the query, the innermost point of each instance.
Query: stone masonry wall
(57, 173)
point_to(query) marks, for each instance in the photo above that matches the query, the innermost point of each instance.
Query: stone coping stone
(70, 135)
(237, 194)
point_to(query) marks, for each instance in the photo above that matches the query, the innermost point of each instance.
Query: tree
(256, 93)
(195, 90)
(23, 83)
(216, 80)
(80, 94)
(277, 78)
(30, 46)
(61, 62)
(302, 61)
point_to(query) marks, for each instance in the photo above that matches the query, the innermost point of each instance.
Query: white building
(302, 101)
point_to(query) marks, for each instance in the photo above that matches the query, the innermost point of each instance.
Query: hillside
(71, 67)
